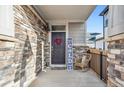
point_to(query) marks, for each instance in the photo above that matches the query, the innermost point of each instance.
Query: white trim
(56, 22)
(43, 68)
(50, 48)
(76, 20)
(58, 65)
(58, 31)
(85, 24)
(67, 35)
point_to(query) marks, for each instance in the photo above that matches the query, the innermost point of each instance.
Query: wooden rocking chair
(84, 62)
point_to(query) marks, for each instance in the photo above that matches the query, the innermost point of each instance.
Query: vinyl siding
(77, 32)
(6, 20)
(116, 20)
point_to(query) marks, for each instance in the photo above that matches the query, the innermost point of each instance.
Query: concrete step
(58, 68)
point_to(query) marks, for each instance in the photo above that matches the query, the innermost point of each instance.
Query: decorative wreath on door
(58, 41)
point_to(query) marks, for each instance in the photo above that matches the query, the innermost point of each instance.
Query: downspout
(95, 42)
(103, 34)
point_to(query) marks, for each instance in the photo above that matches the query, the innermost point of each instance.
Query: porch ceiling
(63, 12)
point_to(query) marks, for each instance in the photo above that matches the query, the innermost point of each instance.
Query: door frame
(57, 65)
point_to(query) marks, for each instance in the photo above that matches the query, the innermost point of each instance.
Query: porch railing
(99, 63)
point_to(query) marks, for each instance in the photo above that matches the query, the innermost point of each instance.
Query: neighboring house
(100, 41)
(90, 40)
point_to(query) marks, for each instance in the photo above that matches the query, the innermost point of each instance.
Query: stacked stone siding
(21, 61)
(47, 54)
(78, 51)
(116, 63)
(32, 33)
(6, 62)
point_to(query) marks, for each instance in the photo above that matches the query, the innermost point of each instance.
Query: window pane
(58, 27)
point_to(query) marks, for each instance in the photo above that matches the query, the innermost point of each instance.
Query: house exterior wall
(99, 44)
(89, 43)
(6, 20)
(106, 29)
(74, 29)
(116, 47)
(106, 37)
(77, 31)
(32, 32)
(6, 62)
(23, 60)
(116, 22)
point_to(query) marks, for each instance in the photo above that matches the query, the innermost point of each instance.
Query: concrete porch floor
(63, 78)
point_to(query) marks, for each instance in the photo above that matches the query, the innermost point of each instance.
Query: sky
(95, 22)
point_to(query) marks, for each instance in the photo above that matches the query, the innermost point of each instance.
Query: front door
(58, 48)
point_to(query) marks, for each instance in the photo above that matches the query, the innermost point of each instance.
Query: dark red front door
(58, 47)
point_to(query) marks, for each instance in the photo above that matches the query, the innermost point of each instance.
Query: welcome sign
(69, 54)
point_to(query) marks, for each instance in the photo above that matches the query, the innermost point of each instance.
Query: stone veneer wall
(6, 62)
(47, 54)
(116, 63)
(26, 61)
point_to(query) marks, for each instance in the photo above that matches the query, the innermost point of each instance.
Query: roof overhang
(104, 11)
(65, 12)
